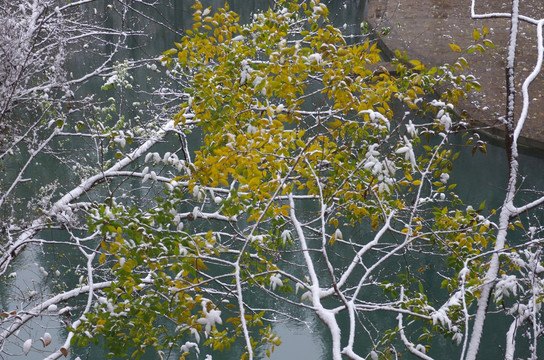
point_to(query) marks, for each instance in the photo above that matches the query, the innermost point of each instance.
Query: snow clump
(275, 280)
(210, 318)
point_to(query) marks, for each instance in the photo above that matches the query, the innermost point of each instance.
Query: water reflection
(300, 341)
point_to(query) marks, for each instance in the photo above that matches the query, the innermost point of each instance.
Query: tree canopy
(286, 167)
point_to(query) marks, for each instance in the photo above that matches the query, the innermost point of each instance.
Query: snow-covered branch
(509, 210)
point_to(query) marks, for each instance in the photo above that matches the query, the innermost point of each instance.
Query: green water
(482, 178)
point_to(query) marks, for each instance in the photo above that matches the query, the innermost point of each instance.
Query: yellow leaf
(342, 52)
(455, 48)
(476, 35)
(416, 182)
(417, 65)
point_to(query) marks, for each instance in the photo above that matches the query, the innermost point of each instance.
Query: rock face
(425, 28)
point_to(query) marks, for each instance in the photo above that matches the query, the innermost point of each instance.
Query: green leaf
(489, 44)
